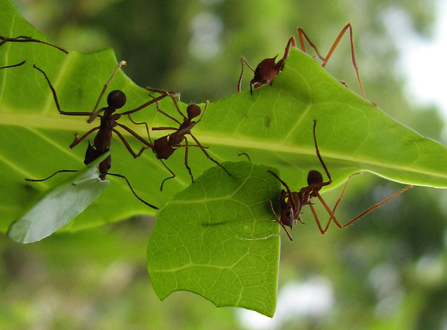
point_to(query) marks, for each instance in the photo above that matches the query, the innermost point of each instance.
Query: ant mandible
(115, 100)
(267, 69)
(302, 34)
(165, 146)
(292, 202)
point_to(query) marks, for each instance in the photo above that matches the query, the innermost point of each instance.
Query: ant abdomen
(314, 177)
(193, 111)
(116, 99)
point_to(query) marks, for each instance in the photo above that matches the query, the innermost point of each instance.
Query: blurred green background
(388, 271)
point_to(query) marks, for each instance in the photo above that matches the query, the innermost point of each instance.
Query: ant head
(116, 99)
(193, 111)
(287, 210)
(287, 217)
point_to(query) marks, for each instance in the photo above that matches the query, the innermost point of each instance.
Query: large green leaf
(274, 126)
(217, 238)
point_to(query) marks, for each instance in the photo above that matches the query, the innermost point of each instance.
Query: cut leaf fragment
(218, 238)
(59, 205)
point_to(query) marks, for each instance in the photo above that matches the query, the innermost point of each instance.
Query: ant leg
(277, 219)
(171, 177)
(203, 112)
(323, 231)
(334, 45)
(243, 60)
(321, 159)
(55, 98)
(285, 186)
(78, 139)
(57, 172)
(291, 43)
(134, 193)
(376, 206)
(186, 158)
(282, 61)
(348, 26)
(207, 155)
(128, 147)
(245, 154)
(169, 116)
(331, 214)
(339, 200)
(29, 39)
(161, 91)
(94, 114)
(154, 100)
(13, 66)
(147, 129)
(137, 136)
(302, 34)
(164, 128)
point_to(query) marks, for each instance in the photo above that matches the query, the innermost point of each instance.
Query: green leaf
(218, 238)
(59, 205)
(274, 126)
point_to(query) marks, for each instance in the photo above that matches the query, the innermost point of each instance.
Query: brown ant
(302, 34)
(292, 202)
(115, 100)
(165, 146)
(266, 70)
(3, 40)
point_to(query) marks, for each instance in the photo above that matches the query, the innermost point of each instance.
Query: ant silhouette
(267, 69)
(302, 34)
(28, 39)
(165, 146)
(292, 202)
(101, 144)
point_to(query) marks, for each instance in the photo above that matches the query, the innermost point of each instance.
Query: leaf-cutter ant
(291, 203)
(165, 146)
(109, 121)
(267, 69)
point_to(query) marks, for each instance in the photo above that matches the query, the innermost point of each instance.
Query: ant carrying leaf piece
(267, 69)
(109, 120)
(165, 146)
(28, 39)
(60, 204)
(302, 34)
(291, 203)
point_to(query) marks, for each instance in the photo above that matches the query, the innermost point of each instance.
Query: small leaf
(59, 205)
(218, 238)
